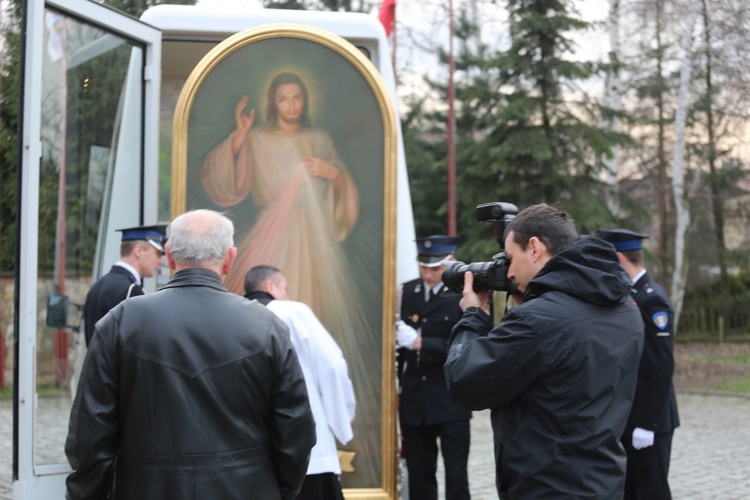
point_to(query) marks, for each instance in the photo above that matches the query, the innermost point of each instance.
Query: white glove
(405, 335)
(642, 438)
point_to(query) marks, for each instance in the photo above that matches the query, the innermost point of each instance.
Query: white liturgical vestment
(327, 379)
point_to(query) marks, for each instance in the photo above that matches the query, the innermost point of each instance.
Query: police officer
(141, 252)
(653, 417)
(426, 412)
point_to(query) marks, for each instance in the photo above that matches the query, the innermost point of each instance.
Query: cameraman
(559, 371)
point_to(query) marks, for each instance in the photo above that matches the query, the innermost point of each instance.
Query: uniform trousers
(648, 469)
(420, 448)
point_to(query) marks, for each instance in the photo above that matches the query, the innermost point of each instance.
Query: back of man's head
(552, 226)
(127, 247)
(200, 238)
(257, 276)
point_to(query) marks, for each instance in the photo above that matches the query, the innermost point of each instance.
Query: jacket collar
(195, 277)
(424, 306)
(124, 272)
(262, 297)
(588, 270)
(130, 269)
(641, 282)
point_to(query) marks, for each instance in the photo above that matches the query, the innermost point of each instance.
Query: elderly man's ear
(168, 253)
(229, 261)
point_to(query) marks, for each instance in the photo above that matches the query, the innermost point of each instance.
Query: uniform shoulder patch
(661, 319)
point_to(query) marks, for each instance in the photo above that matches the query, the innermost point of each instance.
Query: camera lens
(453, 276)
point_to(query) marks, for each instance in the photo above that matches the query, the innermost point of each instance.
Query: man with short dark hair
(648, 435)
(265, 283)
(190, 392)
(326, 376)
(559, 371)
(141, 253)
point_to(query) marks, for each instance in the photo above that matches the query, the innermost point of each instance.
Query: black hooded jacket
(559, 373)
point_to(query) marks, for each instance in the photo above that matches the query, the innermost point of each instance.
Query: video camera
(488, 276)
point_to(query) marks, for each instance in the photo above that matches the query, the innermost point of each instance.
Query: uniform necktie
(432, 295)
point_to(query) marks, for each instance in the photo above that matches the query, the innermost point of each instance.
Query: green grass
(49, 390)
(738, 386)
(42, 390)
(734, 359)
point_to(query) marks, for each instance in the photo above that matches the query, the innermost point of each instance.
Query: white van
(112, 169)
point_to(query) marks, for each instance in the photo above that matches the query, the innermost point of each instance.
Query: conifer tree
(526, 129)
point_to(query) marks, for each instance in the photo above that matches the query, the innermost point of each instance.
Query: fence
(710, 318)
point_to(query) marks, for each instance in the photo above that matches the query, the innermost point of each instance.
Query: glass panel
(85, 74)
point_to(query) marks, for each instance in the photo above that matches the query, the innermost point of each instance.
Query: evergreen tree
(541, 144)
(331, 5)
(525, 132)
(425, 151)
(9, 105)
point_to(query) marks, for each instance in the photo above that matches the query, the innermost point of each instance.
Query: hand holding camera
(486, 276)
(472, 298)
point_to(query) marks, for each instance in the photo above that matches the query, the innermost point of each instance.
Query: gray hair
(200, 237)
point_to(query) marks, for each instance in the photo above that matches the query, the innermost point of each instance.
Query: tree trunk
(613, 100)
(716, 202)
(662, 165)
(682, 207)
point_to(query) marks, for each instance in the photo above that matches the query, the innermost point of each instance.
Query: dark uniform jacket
(106, 293)
(655, 405)
(424, 394)
(190, 393)
(559, 373)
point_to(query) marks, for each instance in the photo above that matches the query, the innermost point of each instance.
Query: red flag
(388, 15)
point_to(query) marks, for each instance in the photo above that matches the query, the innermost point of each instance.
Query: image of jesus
(307, 199)
(308, 204)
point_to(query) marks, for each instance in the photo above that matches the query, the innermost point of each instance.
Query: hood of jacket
(588, 269)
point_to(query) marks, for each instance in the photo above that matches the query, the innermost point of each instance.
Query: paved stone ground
(710, 456)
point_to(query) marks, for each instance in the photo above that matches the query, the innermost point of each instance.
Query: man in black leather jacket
(190, 392)
(560, 370)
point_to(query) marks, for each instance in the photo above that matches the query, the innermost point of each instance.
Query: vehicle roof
(180, 20)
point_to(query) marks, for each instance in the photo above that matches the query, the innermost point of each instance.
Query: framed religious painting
(290, 131)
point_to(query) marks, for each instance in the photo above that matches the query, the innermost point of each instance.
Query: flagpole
(61, 337)
(2, 335)
(451, 126)
(387, 17)
(393, 56)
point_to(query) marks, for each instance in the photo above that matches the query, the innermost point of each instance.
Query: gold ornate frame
(389, 450)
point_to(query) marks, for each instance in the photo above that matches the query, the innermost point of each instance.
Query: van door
(89, 165)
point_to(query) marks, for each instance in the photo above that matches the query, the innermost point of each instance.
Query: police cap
(155, 235)
(432, 250)
(623, 240)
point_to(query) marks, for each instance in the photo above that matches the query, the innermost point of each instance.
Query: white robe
(326, 377)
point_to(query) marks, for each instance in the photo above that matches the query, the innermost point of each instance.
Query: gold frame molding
(389, 449)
